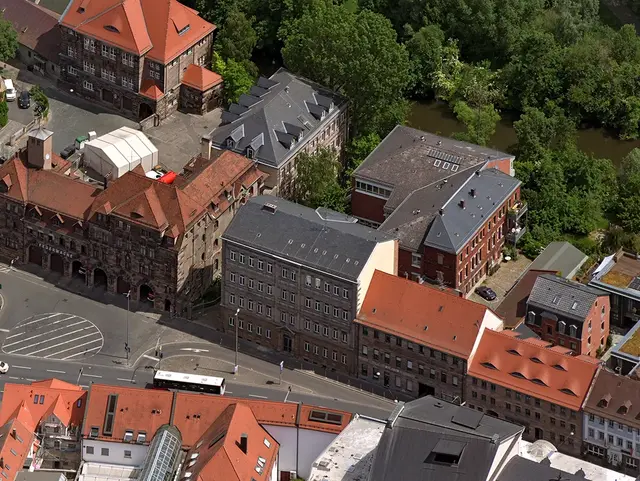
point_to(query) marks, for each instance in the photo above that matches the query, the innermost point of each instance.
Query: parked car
(486, 293)
(9, 91)
(68, 151)
(4, 367)
(24, 101)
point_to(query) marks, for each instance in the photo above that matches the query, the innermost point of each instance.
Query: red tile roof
(533, 367)
(217, 456)
(37, 27)
(137, 410)
(16, 440)
(422, 314)
(161, 29)
(200, 78)
(149, 89)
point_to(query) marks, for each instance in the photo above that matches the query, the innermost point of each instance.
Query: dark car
(486, 293)
(24, 101)
(68, 151)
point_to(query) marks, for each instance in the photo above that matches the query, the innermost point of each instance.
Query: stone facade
(115, 78)
(197, 102)
(412, 369)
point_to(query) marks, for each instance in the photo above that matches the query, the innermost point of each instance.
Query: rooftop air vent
(271, 208)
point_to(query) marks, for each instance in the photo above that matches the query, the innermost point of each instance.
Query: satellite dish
(47, 156)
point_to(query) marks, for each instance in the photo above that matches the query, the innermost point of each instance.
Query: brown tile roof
(513, 307)
(138, 410)
(162, 29)
(200, 78)
(421, 314)
(533, 367)
(36, 26)
(218, 457)
(615, 397)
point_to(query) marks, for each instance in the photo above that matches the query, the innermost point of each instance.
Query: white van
(9, 91)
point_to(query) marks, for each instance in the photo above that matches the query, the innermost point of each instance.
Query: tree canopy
(8, 40)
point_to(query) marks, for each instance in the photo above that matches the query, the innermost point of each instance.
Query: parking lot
(502, 281)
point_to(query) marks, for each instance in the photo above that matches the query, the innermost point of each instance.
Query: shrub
(4, 113)
(41, 100)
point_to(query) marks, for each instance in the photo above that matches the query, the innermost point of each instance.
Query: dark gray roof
(561, 296)
(561, 257)
(469, 208)
(275, 117)
(411, 220)
(321, 238)
(408, 159)
(524, 332)
(420, 435)
(522, 469)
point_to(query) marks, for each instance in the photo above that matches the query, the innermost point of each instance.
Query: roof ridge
(100, 14)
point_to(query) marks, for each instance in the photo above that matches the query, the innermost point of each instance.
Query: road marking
(122, 379)
(21, 367)
(50, 324)
(5, 330)
(193, 349)
(71, 348)
(42, 342)
(79, 353)
(44, 318)
(47, 333)
(11, 377)
(151, 357)
(53, 370)
(32, 380)
(259, 397)
(90, 375)
(56, 345)
(82, 385)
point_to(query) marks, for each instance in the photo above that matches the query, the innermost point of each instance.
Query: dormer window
(251, 154)
(111, 28)
(184, 30)
(231, 143)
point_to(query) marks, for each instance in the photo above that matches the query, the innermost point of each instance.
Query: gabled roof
(200, 78)
(533, 367)
(327, 240)
(281, 112)
(408, 159)
(37, 27)
(424, 434)
(161, 29)
(16, 440)
(476, 201)
(561, 257)
(150, 89)
(422, 314)
(615, 397)
(561, 296)
(218, 455)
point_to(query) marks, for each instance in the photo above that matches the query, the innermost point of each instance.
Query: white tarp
(117, 152)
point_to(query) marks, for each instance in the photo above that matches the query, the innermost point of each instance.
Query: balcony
(514, 235)
(517, 211)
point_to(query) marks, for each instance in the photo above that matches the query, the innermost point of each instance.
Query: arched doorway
(145, 111)
(146, 294)
(167, 305)
(35, 255)
(77, 270)
(56, 263)
(99, 278)
(122, 285)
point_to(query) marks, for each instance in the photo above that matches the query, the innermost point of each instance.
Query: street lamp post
(126, 344)
(235, 366)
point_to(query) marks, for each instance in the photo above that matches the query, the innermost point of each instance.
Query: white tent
(117, 152)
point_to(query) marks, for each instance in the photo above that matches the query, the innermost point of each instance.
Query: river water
(436, 117)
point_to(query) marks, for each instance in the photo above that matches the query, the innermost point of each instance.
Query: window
(336, 290)
(104, 452)
(365, 351)
(345, 336)
(260, 265)
(327, 287)
(87, 85)
(454, 380)
(89, 44)
(307, 303)
(416, 260)
(443, 377)
(285, 272)
(232, 255)
(128, 59)
(127, 454)
(251, 261)
(268, 311)
(269, 268)
(343, 358)
(293, 275)
(71, 70)
(232, 321)
(325, 331)
(316, 328)
(306, 347)
(89, 67)
(267, 333)
(89, 449)
(154, 74)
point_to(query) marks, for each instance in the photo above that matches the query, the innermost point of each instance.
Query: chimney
(13, 434)
(205, 148)
(243, 442)
(461, 203)
(39, 148)
(105, 182)
(441, 211)
(472, 192)
(478, 172)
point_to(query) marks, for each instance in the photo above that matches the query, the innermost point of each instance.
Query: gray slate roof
(428, 426)
(408, 159)
(275, 117)
(321, 238)
(457, 224)
(561, 296)
(561, 257)
(522, 469)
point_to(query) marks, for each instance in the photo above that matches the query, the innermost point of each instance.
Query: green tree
(425, 54)
(356, 54)
(41, 100)
(358, 150)
(237, 38)
(237, 80)
(628, 208)
(539, 131)
(8, 40)
(316, 181)
(480, 122)
(4, 113)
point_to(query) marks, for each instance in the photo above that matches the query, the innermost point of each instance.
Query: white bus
(188, 382)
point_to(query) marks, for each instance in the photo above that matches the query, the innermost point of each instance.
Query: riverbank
(436, 117)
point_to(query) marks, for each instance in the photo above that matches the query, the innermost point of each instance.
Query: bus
(188, 382)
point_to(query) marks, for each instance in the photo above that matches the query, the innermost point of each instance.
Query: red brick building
(569, 314)
(452, 205)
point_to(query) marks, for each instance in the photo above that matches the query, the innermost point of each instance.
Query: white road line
(53, 370)
(43, 342)
(150, 357)
(32, 380)
(21, 367)
(43, 319)
(259, 397)
(45, 333)
(56, 345)
(5, 330)
(90, 375)
(97, 348)
(122, 379)
(82, 385)
(71, 348)
(11, 377)
(228, 392)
